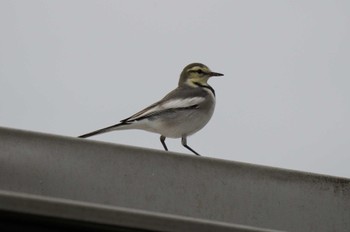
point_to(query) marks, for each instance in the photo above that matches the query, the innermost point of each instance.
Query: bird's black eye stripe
(199, 71)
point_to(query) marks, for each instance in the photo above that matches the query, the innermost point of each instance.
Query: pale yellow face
(198, 74)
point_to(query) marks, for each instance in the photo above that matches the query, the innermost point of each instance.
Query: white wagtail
(181, 113)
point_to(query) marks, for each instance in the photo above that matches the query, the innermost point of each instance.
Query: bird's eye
(200, 71)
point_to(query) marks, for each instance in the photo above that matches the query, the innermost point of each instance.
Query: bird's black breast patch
(206, 87)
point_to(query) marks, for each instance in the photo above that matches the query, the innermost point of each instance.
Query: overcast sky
(70, 67)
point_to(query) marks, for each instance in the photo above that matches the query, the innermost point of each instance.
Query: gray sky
(70, 67)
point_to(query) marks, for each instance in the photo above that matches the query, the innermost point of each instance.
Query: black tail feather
(101, 131)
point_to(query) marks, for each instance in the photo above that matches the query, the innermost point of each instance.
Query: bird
(181, 113)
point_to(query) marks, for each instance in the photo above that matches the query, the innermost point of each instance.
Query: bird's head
(196, 73)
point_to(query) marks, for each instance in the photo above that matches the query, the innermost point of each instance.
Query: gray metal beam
(172, 184)
(111, 216)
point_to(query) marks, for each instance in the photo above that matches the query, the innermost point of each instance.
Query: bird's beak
(215, 74)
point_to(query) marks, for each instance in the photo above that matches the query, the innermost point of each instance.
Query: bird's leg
(162, 140)
(184, 143)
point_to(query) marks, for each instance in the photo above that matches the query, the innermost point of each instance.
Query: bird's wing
(164, 105)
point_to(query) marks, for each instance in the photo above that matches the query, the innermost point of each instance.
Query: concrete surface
(171, 183)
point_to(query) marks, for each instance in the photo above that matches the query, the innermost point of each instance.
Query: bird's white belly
(177, 125)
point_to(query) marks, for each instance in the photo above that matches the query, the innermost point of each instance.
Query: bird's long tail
(103, 130)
